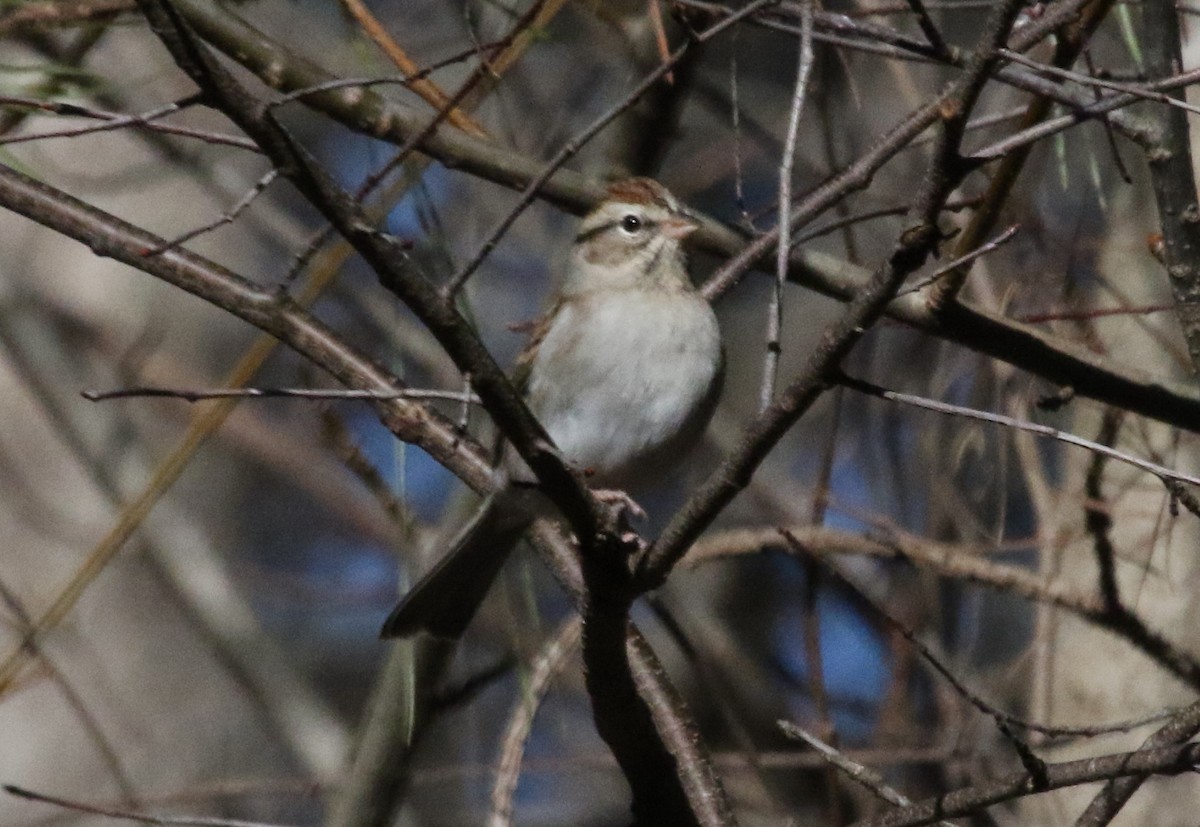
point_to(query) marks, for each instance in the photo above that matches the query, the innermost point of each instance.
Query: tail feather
(444, 601)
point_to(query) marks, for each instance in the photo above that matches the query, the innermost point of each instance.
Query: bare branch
(911, 250)
(197, 395)
(59, 13)
(1009, 422)
(1070, 42)
(1040, 353)
(1138, 764)
(128, 815)
(775, 307)
(569, 149)
(427, 89)
(268, 310)
(549, 663)
(856, 772)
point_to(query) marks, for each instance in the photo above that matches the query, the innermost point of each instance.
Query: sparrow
(623, 372)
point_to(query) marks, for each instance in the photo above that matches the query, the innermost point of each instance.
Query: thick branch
(1174, 177)
(919, 241)
(1042, 354)
(45, 13)
(650, 766)
(1072, 40)
(387, 259)
(957, 563)
(266, 309)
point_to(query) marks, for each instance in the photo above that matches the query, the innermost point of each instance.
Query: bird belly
(619, 378)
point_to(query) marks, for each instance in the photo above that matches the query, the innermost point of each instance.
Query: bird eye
(631, 224)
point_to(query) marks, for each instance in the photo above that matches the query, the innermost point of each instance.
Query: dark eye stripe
(647, 224)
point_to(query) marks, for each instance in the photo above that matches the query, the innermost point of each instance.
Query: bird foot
(633, 542)
(622, 508)
(623, 504)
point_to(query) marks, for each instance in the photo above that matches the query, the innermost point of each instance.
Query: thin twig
(1002, 720)
(811, 612)
(1138, 764)
(197, 395)
(1097, 519)
(660, 35)
(1160, 471)
(1083, 111)
(113, 121)
(427, 89)
(775, 306)
(129, 815)
(1043, 354)
(336, 84)
(531, 190)
(548, 663)
(1139, 91)
(839, 29)
(1068, 44)
(929, 28)
(991, 246)
(735, 113)
(1093, 313)
(227, 217)
(859, 773)
(953, 205)
(949, 561)
(910, 251)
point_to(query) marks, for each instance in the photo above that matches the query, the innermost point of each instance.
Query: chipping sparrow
(623, 373)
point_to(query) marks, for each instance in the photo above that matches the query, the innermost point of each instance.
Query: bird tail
(444, 601)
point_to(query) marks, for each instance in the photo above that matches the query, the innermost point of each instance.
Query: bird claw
(623, 504)
(634, 542)
(621, 508)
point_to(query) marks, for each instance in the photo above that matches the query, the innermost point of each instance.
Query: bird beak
(678, 226)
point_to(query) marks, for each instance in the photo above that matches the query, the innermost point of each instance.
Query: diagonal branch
(1068, 45)
(387, 259)
(1173, 175)
(919, 241)
(685, 791)
(1139, 764)
(1042, 354)
(429, 91)
(272, 312)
